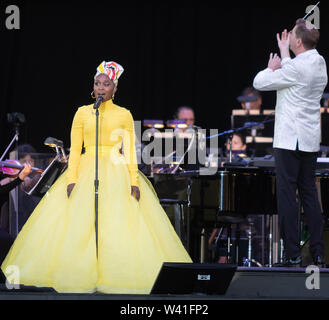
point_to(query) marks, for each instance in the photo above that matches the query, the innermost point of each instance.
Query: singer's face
(104, 86)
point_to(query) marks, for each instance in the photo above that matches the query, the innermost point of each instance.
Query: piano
(217, 200)
(235, 191)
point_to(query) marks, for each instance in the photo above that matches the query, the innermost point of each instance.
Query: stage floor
(248, 283)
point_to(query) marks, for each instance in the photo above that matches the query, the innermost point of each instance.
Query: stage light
(181, 124)
(156, 124)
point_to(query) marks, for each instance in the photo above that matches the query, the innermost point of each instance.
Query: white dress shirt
(299, 83)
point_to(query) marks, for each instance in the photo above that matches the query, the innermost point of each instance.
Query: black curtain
(173, 53)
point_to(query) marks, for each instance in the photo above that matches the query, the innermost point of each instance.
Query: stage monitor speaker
(189, 278)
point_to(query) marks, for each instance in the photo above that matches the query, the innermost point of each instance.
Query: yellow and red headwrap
(112, 69)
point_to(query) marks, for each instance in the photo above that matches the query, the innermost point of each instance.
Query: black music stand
(189, 278)
(259, 126)
(256, 119)
(48, 177)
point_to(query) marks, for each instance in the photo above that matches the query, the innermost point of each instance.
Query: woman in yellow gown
(57, 245)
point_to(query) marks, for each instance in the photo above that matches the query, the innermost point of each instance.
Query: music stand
(262, 130)
(189, 278)
(48, 177)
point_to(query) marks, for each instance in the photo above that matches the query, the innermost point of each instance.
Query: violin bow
(10, 144)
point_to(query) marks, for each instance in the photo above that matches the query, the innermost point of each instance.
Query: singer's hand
(274, 62)
(69, 189)
(135, 192)
(283, 43)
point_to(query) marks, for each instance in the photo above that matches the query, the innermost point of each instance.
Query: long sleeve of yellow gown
(129, 149)
(76, 147)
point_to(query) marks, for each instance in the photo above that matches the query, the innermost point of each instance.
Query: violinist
(25, 155)
(5, 239)
(7, 187)
(11, 169)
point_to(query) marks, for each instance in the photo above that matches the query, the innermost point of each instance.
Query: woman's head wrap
(112, 69)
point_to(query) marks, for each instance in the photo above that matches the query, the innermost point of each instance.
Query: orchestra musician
(6, 240)
(239, 146)
(26, 203)
(185, 113)
(252, 105)
(6, 187)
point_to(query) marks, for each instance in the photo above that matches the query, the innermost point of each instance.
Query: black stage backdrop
(174, 53)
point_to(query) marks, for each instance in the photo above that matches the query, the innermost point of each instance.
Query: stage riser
(273, 284)
(247, 283)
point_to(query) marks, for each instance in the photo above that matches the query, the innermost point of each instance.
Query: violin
(13, 167)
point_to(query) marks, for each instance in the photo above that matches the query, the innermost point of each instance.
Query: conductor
(299, 83)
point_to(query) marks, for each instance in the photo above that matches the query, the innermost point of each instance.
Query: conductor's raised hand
(274, 62)
(284, 43)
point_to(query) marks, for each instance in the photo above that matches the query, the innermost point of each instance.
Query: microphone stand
(96, 182)
(230, 149)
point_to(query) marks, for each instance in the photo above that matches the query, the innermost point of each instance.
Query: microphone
(98, 102)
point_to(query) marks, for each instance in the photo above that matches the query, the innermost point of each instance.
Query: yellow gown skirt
(57, 245)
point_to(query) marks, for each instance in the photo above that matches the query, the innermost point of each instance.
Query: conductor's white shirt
(299, 83)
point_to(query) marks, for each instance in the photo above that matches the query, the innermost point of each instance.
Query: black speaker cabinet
(189, 278)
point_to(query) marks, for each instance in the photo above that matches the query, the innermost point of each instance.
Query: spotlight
(156, 124)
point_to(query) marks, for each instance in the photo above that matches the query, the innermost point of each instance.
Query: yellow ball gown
(57, 247)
